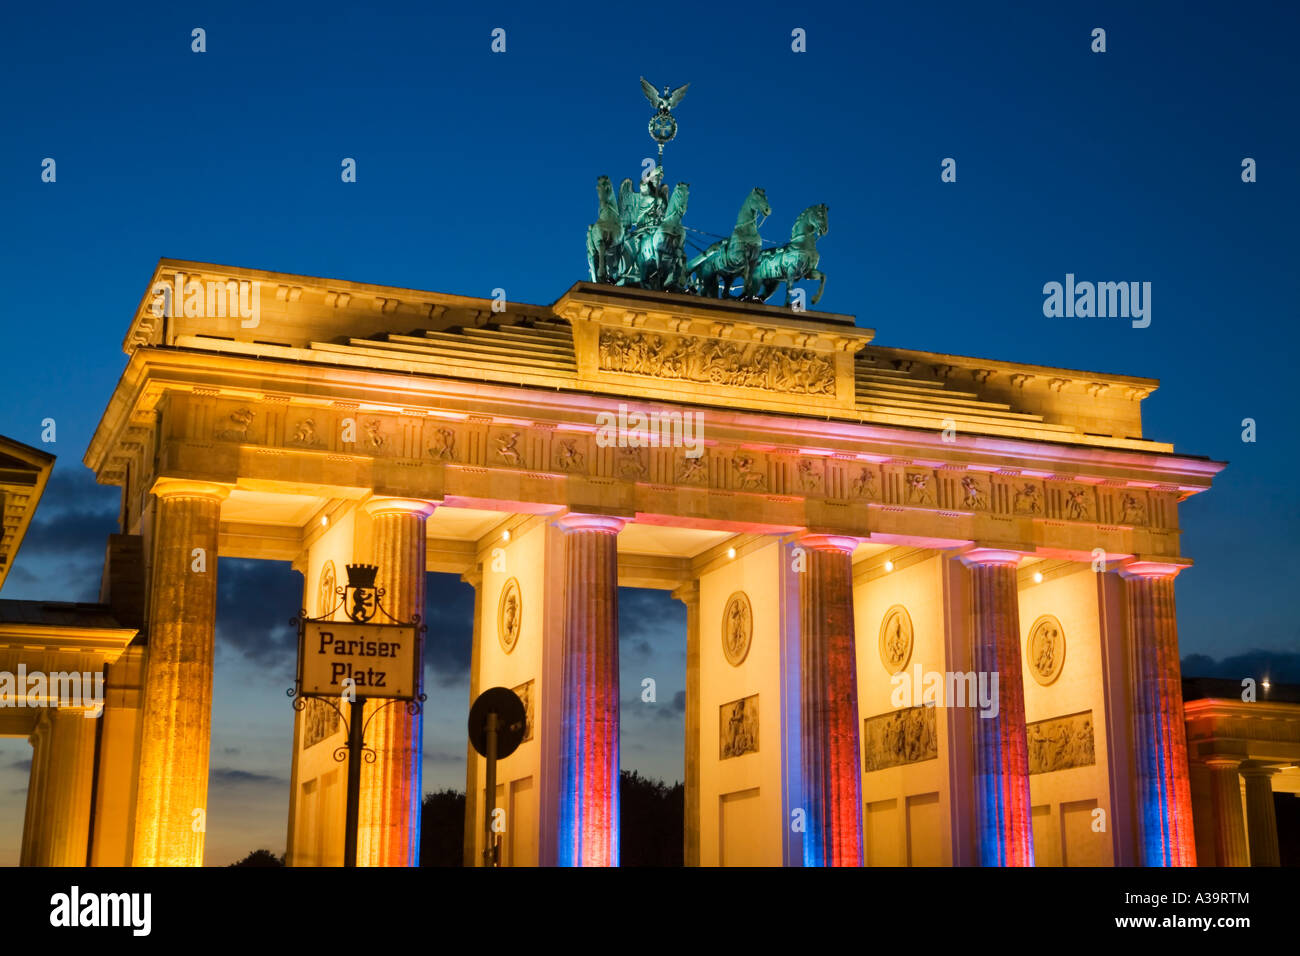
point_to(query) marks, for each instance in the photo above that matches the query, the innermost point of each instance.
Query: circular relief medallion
(896, 639)
(1045, 649)
(510, 616)
(737, 628)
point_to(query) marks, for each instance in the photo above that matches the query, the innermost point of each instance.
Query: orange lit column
(1004, 833)
(1261, 815)
(1229, 823)
(1164, 801)
(62, 829)
(176, 729)
(589, 745)
(832, 778)
(388, 825)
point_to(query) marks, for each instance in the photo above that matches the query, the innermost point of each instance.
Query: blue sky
(476, 171)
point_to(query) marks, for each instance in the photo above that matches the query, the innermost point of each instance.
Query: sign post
(497, 723)
(357, 661)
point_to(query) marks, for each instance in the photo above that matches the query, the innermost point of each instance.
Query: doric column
(33, 825)
(1261, 815)
(176, 729)
(1004, 834)
(589, 804)
(62, 831)
(388, 820)
(1164, 800)
(689, 594)
(832, 775)
(1229, 825)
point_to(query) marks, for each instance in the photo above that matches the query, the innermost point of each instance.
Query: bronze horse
(734, 257)
(796, 260)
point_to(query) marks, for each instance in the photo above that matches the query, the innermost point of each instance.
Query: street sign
(510, 725)
(497, 722)
(379, 659)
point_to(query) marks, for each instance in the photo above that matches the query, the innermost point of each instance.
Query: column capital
(407, 506)
(1252, 769)
(189, 488)
(1223, 762)
(990, 557)
(576, 521)
(1137, 568)
(827, 542)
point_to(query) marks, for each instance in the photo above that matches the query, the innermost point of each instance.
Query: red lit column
(589, 805)
(832, 778)
(1004, 834)
(388, 825)
(1164, 801)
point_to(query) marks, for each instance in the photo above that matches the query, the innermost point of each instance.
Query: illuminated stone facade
(834, 481)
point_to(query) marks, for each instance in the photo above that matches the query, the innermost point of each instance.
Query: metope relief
(973, 496)
(304, 434)
(236, 425)
(1133, 510)
(568, 456)
(693, 471)
(768, 367)
(899, 737)
(1060, 743)
(809, 473)
(506, 449)
(1078, 504)
(510, 615)
(918, 490)
(1045, 649)
(738, 728)
(864, 483)
(1028, 499)
(444, 445)
(737, 628)
(747, 473)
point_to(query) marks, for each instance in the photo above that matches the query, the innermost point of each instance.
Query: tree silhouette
(651, 821)
(442, 828)
(261, 858)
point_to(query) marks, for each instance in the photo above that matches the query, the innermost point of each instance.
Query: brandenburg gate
(930, 598)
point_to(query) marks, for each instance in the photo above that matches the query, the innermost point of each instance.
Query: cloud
(449, 614)
(23, 765)
(255, 600)
(231, 777)
(443, 756)
(679, 702)
(76, 514)
(1282, 667)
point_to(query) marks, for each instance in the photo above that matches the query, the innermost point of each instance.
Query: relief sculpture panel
(899, 737)
(1060, 743)
(737, 364)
